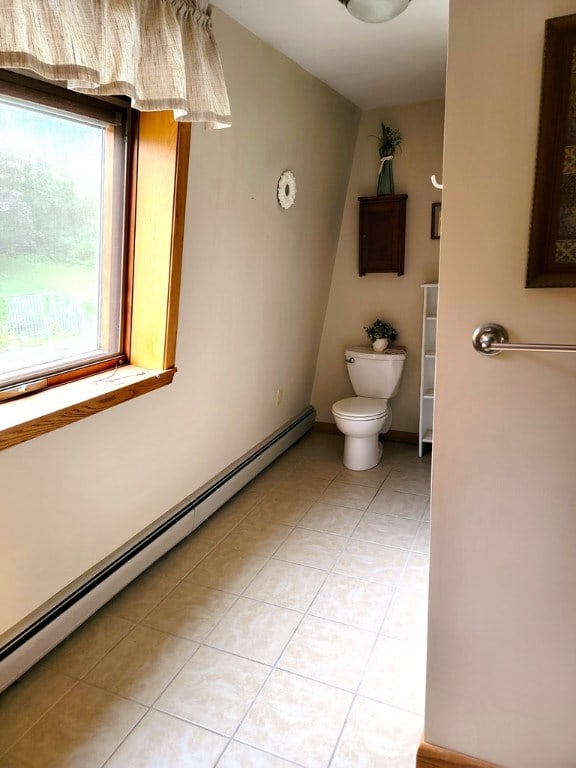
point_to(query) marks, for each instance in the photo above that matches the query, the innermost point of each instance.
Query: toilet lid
(394, 353)
(361, 408)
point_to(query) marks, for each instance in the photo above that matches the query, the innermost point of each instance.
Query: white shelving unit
(428, 367)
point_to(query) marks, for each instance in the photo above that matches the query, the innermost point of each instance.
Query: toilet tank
(375, 374)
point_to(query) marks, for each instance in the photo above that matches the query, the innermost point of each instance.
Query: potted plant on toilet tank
(380, 333)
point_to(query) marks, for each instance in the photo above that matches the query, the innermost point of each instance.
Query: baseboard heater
(40, 632)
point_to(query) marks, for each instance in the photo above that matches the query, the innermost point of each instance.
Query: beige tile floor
(289, 630)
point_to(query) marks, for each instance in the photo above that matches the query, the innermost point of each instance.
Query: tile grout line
(306, 614)
(262, 496)
(369, 656)
(4, 752)
(151, 707)
(205, 643)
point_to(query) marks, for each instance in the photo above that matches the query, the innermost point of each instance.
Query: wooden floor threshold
(430, 756)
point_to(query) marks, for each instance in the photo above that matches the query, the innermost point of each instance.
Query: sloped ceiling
(372, 65)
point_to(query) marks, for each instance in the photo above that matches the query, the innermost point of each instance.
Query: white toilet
(375, 377)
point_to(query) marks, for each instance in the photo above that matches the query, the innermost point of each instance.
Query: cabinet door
(382, 234)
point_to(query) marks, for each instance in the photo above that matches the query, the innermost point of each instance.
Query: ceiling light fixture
(375, 11)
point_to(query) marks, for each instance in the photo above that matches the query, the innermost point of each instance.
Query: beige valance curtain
(160, 53)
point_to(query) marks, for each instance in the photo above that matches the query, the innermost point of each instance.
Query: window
(64, 164)
(133, 298)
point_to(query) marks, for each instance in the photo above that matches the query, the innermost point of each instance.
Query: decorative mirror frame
(552, 249)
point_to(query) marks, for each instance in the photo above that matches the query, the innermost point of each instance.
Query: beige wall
(356, 301)
(255, 285)
(502, 658)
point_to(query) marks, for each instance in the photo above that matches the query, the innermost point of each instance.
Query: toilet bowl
(362, 420)
(375, 377)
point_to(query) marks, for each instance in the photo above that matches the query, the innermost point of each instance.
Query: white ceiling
(372, 65)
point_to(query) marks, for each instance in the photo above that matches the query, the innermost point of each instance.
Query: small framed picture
(436, 221)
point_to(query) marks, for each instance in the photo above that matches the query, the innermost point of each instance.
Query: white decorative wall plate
(287, 189)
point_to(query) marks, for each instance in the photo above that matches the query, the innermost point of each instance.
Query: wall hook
(436, 183)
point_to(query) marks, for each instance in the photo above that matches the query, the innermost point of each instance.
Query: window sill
(34, 415)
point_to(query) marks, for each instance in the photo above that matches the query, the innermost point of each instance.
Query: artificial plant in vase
(390, 140)
(380, 333)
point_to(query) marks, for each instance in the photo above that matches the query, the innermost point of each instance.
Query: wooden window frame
(158, 203)
(116, 113)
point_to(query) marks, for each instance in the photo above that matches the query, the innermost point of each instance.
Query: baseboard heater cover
(53, 622)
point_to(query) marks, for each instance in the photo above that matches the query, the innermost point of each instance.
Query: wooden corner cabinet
(382, 233)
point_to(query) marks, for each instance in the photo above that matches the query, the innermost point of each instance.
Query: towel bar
(491, 339)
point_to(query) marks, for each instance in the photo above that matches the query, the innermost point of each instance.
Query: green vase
(386, 179)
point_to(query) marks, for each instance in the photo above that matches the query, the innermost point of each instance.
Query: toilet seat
(361, 408)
